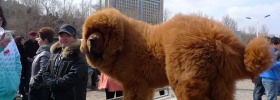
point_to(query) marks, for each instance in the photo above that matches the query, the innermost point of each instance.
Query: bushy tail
(258, 56)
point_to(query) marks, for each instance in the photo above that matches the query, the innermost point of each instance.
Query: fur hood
(70, 51)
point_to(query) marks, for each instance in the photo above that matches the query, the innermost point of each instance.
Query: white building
(150, 11)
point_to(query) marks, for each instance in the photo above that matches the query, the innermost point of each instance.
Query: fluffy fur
(69, 51)
(198, 57)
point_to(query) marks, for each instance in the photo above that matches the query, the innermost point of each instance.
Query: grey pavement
(244, 91)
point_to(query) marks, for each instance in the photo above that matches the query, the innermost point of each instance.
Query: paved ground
(244, 91)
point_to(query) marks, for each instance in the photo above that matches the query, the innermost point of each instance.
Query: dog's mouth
(95, 54)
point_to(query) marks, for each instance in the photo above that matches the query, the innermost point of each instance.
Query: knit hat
(33, 33)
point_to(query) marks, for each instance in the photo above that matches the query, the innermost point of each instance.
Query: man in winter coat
(66, 73)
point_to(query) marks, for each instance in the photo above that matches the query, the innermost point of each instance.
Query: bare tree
(263, 30)
(49, 6)
(252, 30)
(26, 15)
(246, 38)
(20, 17)
(85, 9)
(229, 22)
(166, 15)
(200, 13)
(28, 2)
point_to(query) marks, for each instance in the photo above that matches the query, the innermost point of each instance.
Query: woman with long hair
(20, 45)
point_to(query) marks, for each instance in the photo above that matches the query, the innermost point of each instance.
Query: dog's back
(204, 58)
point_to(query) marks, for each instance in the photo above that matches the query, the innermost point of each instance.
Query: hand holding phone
(5, 39)
(7, 36)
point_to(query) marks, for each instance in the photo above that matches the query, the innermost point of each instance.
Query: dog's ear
(109, 23)
(85, 35)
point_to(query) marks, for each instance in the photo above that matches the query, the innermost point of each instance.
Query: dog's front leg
(138, 93)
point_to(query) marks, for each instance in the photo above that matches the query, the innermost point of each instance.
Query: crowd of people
(43, 69)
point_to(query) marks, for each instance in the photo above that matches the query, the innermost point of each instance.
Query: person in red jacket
(111, 87)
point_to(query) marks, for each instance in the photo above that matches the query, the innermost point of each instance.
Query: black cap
(67, 29)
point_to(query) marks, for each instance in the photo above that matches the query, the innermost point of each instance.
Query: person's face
(65, 39)
(42, 41)
(32, 37)
(277, 46)
(22, 41)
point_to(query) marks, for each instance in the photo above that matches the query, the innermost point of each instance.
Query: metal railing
(167, 94)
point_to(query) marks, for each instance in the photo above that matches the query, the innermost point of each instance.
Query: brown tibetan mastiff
(198, 57)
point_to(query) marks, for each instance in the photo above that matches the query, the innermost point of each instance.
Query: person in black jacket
(66, 72)
(30, 47)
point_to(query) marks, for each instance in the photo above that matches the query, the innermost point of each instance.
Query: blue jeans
(258, 90)
(278, 87)
(271, 88)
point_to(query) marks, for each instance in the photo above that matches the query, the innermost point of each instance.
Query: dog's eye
(92, 40)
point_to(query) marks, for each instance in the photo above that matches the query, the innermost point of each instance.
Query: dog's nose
(92, 40)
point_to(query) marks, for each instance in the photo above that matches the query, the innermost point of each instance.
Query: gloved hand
(48, 82)
(35, 84)
(29, 59)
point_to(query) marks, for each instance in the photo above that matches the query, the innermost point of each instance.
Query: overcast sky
(236, 9)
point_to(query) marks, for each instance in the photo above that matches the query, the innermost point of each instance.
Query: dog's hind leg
(190, 88)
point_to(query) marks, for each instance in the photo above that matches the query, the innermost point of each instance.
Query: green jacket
(10, 71)
(1, 49)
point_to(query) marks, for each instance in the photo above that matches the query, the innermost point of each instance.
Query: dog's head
(103, 37)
